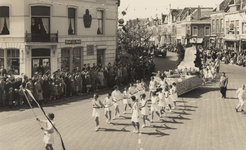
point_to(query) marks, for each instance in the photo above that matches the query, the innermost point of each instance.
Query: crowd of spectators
(55, 86)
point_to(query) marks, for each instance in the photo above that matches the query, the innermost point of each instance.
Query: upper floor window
(237, 26)
(4, 20)
(207, 30)
(227, 27)
(194, 31)
(40, 22)
(217, 26)
(243, 28)
(221, 26)
(213, 26)
(100, 21)
(71, 21)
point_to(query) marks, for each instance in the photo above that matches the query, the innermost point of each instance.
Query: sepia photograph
(122, 74)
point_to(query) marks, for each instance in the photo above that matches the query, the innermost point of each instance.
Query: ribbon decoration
(29, 92)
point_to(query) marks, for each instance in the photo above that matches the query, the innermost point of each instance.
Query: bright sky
(147, 8)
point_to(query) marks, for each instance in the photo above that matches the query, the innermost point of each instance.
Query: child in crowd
(144, 109)
(16, 97)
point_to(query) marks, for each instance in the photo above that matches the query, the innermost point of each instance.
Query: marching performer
(154, 106)
(174, 95)
(171, 99)
(132, 90)
(144, 109)
(152, 86)
(48, 131)
(161, 103)
(96, 104)
(108, 103)
(139, 88)
(117, 96)
(135, 114)
(126, 100)
(167, 101)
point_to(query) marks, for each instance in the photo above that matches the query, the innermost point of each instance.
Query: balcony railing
(37, 37)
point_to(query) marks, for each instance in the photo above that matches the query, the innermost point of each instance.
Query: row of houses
(56, 34)
(223, 27)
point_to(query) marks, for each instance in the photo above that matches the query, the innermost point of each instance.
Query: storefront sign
(72, 41)
(90, 49)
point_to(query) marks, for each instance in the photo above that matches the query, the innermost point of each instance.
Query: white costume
(154, 106)
(95, 112)
(49, 135)
(117, 95)
(174, 94)
(126, 98)
(162, 100)
(145, 109)
(152, 86)
(133, 91)
(240, 94)
(135, 113)
(108, 102)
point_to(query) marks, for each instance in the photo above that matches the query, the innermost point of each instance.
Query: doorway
(100, 56)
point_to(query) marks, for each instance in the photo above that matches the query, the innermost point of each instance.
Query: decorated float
(186, 76)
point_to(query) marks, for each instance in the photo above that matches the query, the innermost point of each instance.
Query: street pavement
(202, 121)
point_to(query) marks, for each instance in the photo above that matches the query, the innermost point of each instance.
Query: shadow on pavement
(112, 130)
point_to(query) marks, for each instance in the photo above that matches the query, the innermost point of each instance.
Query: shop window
(207, 30)
(195, 31)
(65, 59)
(4, 20)
(1, 58)
(77, 57)
(71, 21)
(237, 27)
(100, 16)
(217, 26)
(13, 61)
(243, 28)
(213, 26)
(221, 26)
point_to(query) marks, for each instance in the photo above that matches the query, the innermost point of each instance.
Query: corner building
(56, 34)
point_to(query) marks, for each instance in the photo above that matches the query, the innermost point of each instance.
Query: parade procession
(122, 74)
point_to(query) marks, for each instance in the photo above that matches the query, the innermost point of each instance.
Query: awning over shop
(196, 40)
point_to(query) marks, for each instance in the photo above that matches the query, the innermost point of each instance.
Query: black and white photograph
(122, 74)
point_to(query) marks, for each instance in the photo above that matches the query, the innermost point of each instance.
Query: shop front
(40, 61)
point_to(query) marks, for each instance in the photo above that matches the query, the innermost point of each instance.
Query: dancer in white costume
(132, 90)
(139, 88)
(135, 114)
(96, 104)
(154, 106)
(108, 103)
(117, 96)
(48, 132)
(144, 109)
(126, 100)
(167, 101)
(162, 103)
(172, 105)
(174, 94)
(152, 86)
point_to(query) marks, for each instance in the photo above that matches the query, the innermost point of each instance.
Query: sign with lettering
(90, 49)
(72, 41)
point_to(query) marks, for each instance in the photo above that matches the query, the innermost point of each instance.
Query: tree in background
(181, 53)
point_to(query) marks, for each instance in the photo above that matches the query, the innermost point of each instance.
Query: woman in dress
(161, 103)
(174, 94)
(48, 131)
(152, 86)
(144, 109)
(135, 115)
(167, 101)
(108, 104)
(96, 104)
(126, 100)
(154, 106)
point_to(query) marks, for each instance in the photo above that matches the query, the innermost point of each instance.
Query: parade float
(186, 76)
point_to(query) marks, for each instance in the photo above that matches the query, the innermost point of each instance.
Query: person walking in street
(135, 114)
(144, 109)
(96, 104)
(108, 103)
(117, 96)
(48, 131)
(240, 95)
(223, 85)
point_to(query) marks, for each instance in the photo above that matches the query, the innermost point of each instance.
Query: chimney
(199, 13)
